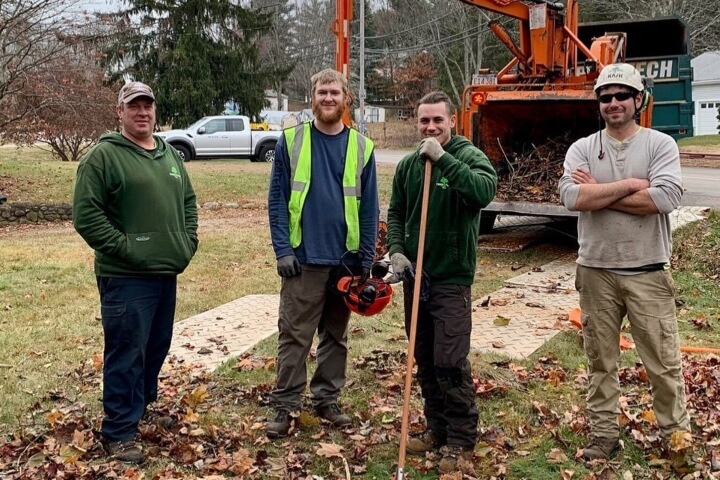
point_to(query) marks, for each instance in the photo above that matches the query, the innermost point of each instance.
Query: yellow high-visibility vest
(297, 140)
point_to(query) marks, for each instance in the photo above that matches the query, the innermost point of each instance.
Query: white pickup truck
(223, 136)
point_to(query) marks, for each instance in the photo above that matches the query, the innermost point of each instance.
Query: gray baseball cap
(132, 90)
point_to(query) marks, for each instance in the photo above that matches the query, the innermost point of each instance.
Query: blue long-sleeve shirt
(323, 217)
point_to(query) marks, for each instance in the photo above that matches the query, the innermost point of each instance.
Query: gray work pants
(307, 306)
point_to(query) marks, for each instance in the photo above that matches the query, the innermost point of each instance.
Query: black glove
(288, 266)
(365, 274)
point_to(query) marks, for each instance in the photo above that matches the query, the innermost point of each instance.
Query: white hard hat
(620, 74)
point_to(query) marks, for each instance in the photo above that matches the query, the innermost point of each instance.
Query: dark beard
(328, 118)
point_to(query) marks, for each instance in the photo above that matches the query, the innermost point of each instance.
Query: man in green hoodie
(463, 182)
(135, 206)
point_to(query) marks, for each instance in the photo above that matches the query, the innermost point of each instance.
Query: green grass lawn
(532, 414)
(32, 175)
(701, 140)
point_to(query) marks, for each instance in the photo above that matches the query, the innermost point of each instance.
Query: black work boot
(279, 426)
(332, 414)
(424, 442)
(600, 448)
(126, 451)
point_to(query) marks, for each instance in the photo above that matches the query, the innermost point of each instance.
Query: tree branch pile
(531, 173)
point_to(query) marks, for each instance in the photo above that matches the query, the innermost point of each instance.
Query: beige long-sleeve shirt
(614, 239)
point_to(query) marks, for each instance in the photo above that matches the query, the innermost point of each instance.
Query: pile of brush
(531, 173)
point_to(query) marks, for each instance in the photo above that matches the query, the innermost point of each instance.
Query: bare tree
(313, 47)
(69, 106)
(32, 34)
(455, 34)
(701, 16)
(275, 47)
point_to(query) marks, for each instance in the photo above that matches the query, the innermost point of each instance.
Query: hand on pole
(431, 149)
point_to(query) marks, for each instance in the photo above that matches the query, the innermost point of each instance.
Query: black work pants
(137, 319)
(442, 345)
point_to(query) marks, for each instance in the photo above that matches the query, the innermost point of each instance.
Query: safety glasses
(619, 96)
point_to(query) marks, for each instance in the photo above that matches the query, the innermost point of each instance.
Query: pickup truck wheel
(267, 154)
(184, 152)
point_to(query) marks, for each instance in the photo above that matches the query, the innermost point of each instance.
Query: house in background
(373, 114)
(272, 97)
(706, 92)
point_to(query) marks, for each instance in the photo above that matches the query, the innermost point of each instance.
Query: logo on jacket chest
(174, 172)
(443, 183)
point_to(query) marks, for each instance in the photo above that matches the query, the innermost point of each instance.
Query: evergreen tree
(196, 55)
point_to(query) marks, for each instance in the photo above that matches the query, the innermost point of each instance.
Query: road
(702, 185)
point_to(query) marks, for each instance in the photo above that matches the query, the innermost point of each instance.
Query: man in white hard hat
(625, 180)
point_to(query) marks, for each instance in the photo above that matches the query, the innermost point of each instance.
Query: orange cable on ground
(575, 317)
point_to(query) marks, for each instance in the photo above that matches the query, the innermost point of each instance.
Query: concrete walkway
(517, 320)
(217, 335)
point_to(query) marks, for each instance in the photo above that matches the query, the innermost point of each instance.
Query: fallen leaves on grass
(201, 444)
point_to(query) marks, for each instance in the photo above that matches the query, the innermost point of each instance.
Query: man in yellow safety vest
(322, 202)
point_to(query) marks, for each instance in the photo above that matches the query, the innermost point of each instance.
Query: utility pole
(362, 68)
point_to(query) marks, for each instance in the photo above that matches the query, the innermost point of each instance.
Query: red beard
(328, 117)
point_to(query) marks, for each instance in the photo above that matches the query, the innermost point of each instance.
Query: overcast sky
(101, 5)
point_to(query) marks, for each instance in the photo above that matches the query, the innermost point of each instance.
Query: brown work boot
(126, 451)
(279, 426)
(600, 448)
(452, 455)
(334, 415)
(424, 442)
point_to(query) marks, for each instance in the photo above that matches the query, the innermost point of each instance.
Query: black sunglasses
(619, 96)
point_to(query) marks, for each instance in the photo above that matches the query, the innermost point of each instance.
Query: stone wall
(27, 213)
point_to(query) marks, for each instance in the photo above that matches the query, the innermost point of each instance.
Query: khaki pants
(647, 300)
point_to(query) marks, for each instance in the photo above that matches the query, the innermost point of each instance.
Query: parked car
(223, 136)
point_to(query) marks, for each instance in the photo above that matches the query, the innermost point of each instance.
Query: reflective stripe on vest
(297, 141)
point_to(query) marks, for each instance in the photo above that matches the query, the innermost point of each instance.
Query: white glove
(401, 265)
(430, 148)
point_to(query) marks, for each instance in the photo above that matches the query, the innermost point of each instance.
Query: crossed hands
(582, 177)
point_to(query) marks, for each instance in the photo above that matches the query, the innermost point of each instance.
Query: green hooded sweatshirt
(136, 208)
(463, 182)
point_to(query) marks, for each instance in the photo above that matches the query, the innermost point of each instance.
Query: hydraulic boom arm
(341, 29)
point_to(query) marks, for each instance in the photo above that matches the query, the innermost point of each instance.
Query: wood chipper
(525, 116)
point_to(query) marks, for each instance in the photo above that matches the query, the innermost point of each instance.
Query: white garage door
(707, 118)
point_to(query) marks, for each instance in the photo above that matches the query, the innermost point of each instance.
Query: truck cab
(223, 136)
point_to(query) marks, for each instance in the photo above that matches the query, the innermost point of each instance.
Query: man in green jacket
(135, 206)
(463, 182)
